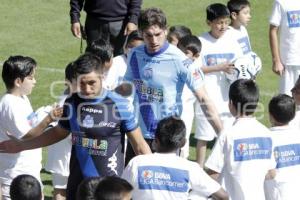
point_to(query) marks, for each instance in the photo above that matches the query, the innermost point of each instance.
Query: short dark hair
(170, 133)
(87, 188)
(112, 188)
(179, 31)
(190, 42)
(150, 17)
(216, 10)
(101, 48)
(69, 72)
(25, 187)
(87, 63)
(282, 108)
(134, 35)
(244, 95)
(237, 5)
(17, 67)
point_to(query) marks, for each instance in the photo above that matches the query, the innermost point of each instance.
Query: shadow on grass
(193, 142)
(47, 198)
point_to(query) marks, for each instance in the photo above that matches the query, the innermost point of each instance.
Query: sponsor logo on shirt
(91, 110)
(244, 44)
(148, 73)
(214, 59)
(88, 121)
(293, 18)
(252, 148)
(150, 94)
(112, 163)
(148, 60)
(163, 178)
(287, 155)
(95, 146)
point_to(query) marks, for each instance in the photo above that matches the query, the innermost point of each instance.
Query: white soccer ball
(245, 67)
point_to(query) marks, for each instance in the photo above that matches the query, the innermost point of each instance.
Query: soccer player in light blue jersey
(159, 71)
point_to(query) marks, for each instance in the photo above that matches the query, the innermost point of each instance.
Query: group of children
(248, 160)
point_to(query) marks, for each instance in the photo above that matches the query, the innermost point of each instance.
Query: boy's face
(27, 84)
(127, 196)
(173, 39)
(191, 55)
(154, 38)
(244, 16)
(218, 26)
(90, 85)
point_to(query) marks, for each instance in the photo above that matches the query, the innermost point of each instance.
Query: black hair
(282, 108)
(170, 133)
(25, 187)
(237, 5)
(112, 188)
(216, 10)
(179, 31)
(87, 188)
(87, 63)
(17, 67)
(150, 17)
(102, 49)
(69, 72)
(134, 35)
(190, 42)
(244, 95)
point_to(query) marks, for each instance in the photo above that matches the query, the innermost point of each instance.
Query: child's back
(243, 152)
(286, 140)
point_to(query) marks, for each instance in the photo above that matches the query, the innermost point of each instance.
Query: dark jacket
(106, 10)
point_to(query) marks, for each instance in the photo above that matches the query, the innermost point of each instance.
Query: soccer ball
(245, 67)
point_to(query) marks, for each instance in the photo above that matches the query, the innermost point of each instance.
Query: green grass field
(41, 29)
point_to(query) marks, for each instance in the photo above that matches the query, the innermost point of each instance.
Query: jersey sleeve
(64, 121)
(216, 160)
(191, 74)
(275, 17)
(202, 183)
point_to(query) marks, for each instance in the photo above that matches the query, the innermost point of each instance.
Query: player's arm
(209, 109)
(277, 67)
(220, 195)
(138, 143)
(39, 129)
(49, 137)
(225, 67)
(213, 174)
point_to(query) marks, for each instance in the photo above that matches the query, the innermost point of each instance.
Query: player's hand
(56, 112)
(75, 28)
(129, 28)
(13, 145)
(278, 68)
(227, 67)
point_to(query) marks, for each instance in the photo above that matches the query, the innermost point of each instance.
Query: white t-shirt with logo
(286, 183)
(286, 16)
(17, 117)
(167, 176)
(243, 155)
(116, 72)
(216, 51)
(242, 38)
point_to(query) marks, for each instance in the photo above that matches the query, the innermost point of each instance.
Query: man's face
(90, 85)
(154, 38)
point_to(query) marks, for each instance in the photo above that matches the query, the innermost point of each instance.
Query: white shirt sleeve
(275, 18)
(216, 161)
(203, 183)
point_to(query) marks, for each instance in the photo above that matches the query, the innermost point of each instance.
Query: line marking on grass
(48, 69)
